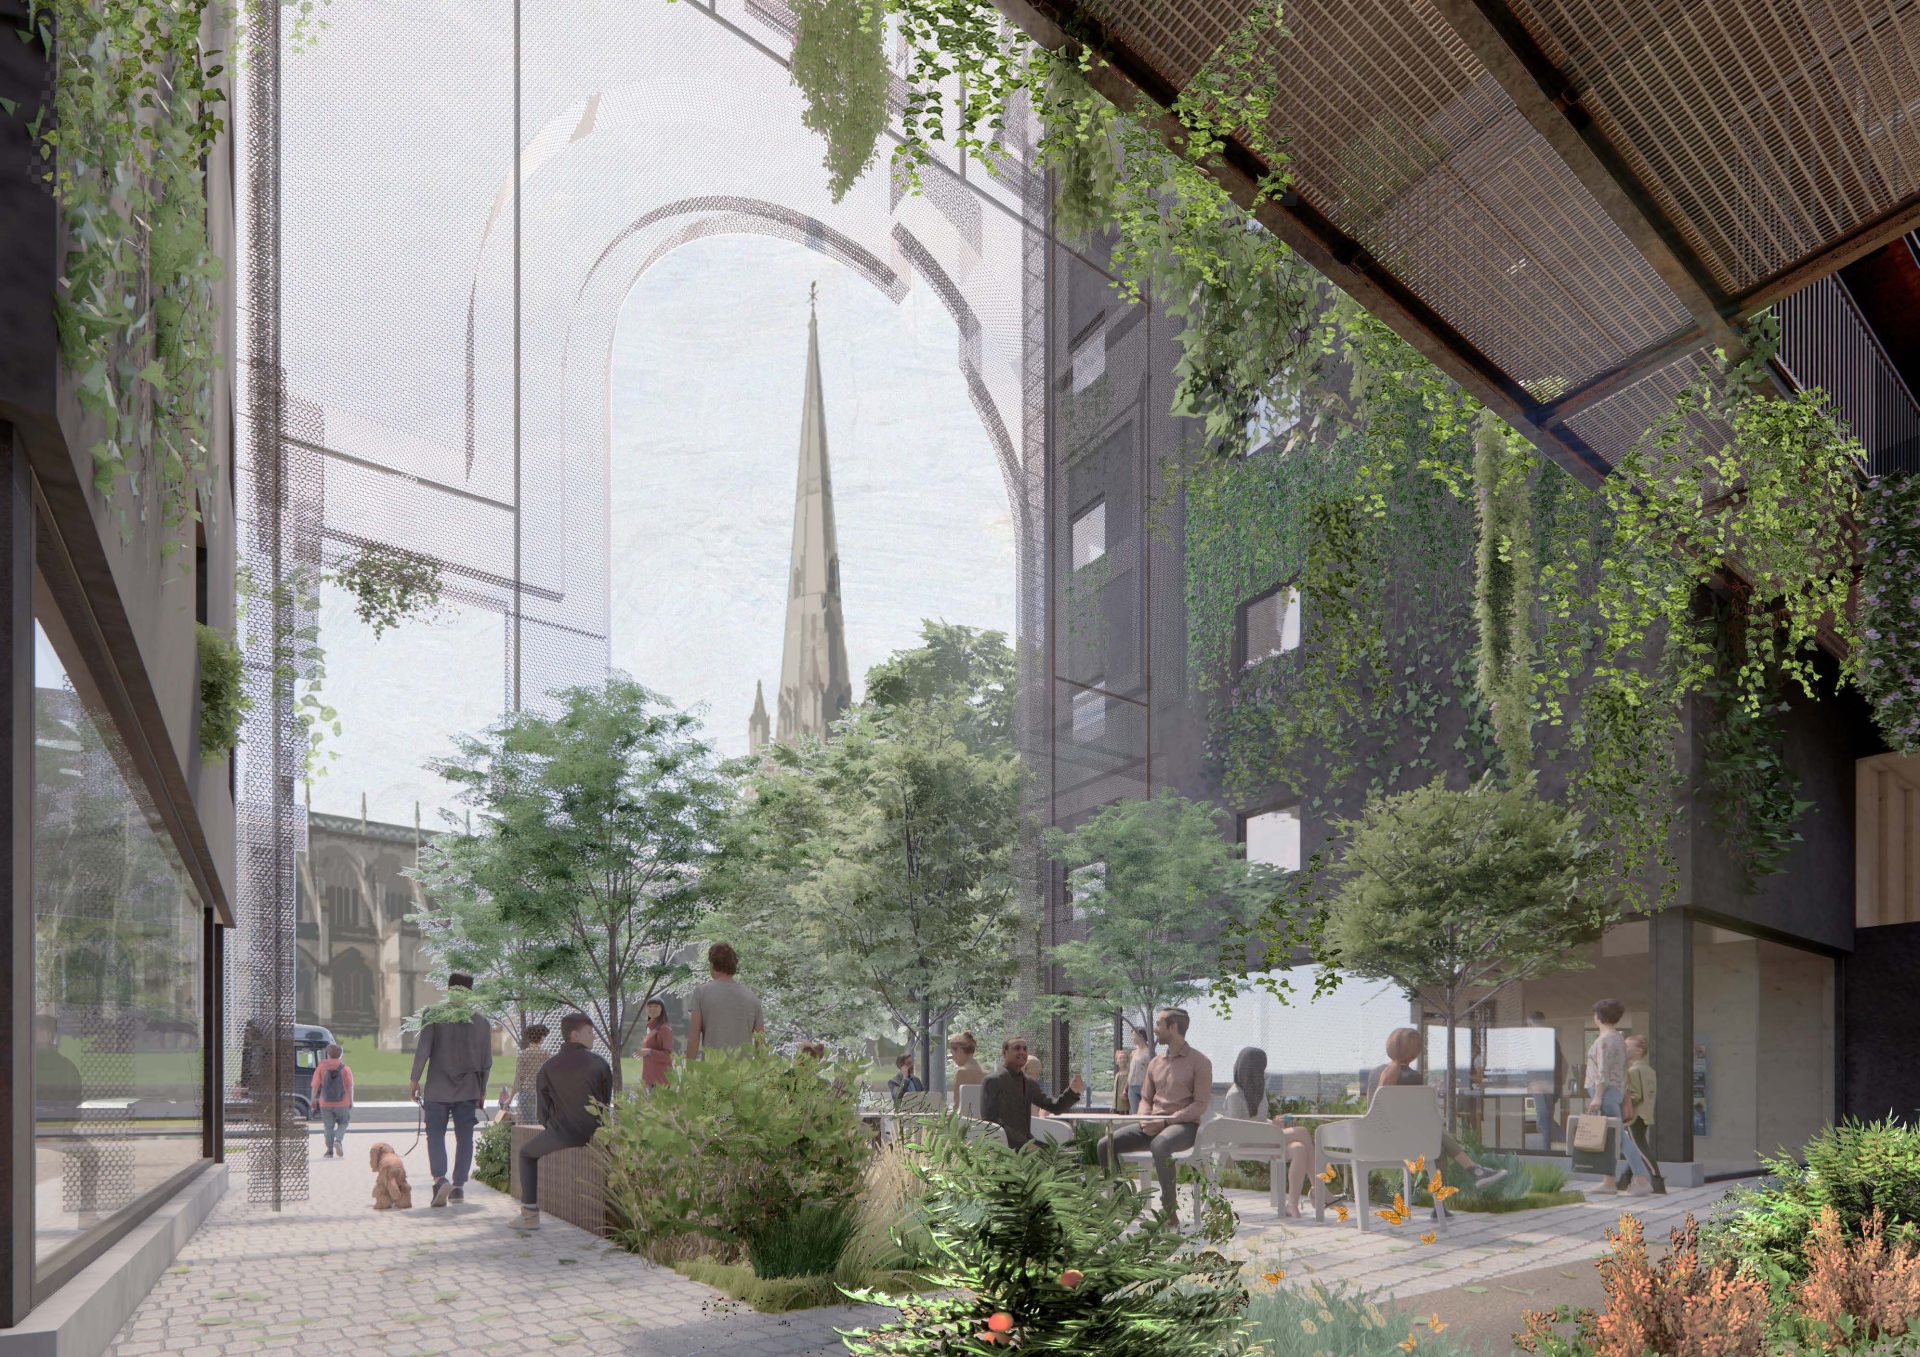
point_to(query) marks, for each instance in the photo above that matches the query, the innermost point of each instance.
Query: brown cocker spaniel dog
(389, 1179)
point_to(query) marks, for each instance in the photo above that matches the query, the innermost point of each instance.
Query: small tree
(598, 819)
(1154, 880)
(1456, 895)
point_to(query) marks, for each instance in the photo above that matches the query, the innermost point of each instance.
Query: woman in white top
(1247, 1101)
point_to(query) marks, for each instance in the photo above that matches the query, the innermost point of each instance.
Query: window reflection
(118, 1029)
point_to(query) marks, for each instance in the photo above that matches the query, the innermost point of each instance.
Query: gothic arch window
(341, 898)
(352, 992)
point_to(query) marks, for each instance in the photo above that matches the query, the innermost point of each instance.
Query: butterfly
(1438, 1189)
(1436, 1323)
(1416, 1165)
(1427, 1238)
(1408, 1345)
(1395, 1214)
(1272, 1278)
(1330, 1174)
(1340, 1214)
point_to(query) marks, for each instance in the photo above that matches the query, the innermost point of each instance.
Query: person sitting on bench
(568, 1087)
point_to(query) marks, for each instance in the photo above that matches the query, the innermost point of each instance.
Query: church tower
(815, 685)
(759, 728)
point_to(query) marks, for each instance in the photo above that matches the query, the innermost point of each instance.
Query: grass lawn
(381, 1076)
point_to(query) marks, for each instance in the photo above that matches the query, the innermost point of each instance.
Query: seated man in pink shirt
(1174, 1095)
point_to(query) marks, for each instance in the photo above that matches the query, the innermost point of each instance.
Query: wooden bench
(573, 1183)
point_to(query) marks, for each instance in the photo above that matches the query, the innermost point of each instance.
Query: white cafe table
(1111, 1120)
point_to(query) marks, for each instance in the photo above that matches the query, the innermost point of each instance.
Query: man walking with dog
(456, 1056)
(568, 1089)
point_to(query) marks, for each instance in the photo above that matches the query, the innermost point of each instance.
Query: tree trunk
(937, 1071)
(614, 1024)
(1450, 1061)
(926, 1039)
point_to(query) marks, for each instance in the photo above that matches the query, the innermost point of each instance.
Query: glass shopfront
(119, 1035)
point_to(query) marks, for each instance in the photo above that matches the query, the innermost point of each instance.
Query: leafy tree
(967, 665)
(1152, 879)
(465, 929)
(598, 820)
(1456, 895)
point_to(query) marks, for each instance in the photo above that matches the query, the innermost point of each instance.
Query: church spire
(759, 728)
(815, 685)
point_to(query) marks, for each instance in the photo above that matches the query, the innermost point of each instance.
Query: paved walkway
(332, 1275)
(1474, 1250)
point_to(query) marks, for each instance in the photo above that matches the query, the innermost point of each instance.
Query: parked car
(304, 1048)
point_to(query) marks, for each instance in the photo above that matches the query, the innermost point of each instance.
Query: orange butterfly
(1427, 1238)
(1439, 1190)
(1330, 1174)
(1395, 1214)
(1436, 1323)
(1408, 1345)
(1416, 1166)
(1340, 1214)
(1272, 1278)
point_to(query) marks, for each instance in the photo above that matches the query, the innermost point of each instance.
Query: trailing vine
(223, 698)
(1504, 589)
(390, 585)
(840, 65)
(1889, 660)
(136, 110)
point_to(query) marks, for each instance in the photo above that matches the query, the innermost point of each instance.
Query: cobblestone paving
(1475, 1249)
(331, 1275)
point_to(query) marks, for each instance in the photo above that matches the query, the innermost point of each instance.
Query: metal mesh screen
(430, 318)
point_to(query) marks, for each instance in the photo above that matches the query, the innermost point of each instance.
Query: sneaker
(1625, 1180)
(1659, 1187)
(529, 1219)
(329, 1153)
(459, 1194)
(442, 1190)
(1486, 1177)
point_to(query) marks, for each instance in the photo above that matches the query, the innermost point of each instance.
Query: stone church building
(360, 968)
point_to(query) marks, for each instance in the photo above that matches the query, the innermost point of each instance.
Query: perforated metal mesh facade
(396, 394)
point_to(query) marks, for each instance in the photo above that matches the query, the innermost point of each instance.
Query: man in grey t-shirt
(723, 1013)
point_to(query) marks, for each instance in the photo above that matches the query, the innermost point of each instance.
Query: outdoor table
(1110, 1120)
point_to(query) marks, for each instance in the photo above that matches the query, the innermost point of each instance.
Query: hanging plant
(390, 585)
(1751, 790)
(1504, 589)
(1889, 646)
(840, 65)
(136, 112)
(223, 698)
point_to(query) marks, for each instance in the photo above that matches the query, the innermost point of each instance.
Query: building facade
(360, 967)
(1772, 1011)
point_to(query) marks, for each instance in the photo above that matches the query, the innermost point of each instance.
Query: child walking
(1642, 1087)
(332, 1093)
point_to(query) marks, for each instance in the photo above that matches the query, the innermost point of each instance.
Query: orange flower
(1000, 1322)
(1427, 1238)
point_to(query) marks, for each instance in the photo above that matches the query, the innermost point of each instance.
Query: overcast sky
(708, 365)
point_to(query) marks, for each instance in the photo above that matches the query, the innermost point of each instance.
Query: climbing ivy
(840, 65)
(136, 110)
(1889, 667)
(1504, 589)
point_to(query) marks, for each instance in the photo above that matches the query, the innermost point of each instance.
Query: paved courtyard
(331, 1275)
(1474, 1250)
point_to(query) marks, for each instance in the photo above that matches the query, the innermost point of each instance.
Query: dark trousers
(1162, 1147)
(463, 1115)
(542, 1145)
(1643, 1137)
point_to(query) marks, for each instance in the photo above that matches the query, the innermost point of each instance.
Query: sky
(708, 364)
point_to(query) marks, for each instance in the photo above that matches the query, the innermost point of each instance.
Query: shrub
(736, 1143)
(223, 696)
(890, 1233)
(807, 1243)
(1676, 1309)
(1336, 1320)
(1857, 1168)
(1858, 1287)
(1546, 1176)
(1069, 1257)
(493, 1155)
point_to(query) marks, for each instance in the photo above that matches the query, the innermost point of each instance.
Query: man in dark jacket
(1008, 1097)
(456, 1056)
(568, 1087)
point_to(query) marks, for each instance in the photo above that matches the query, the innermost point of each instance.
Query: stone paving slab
(1474, 1249)
(332, 1275)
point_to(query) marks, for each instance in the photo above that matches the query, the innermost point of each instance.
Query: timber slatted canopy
(1565, 203)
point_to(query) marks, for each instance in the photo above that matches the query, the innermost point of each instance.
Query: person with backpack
(332, 1093)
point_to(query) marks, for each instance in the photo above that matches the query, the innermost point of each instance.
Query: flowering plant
(1889, 658)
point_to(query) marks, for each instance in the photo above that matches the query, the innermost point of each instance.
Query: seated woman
(1247, 1101)
(961, 1048)
(1403, 1048)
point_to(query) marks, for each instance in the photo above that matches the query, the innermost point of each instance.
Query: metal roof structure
(1563, 203)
